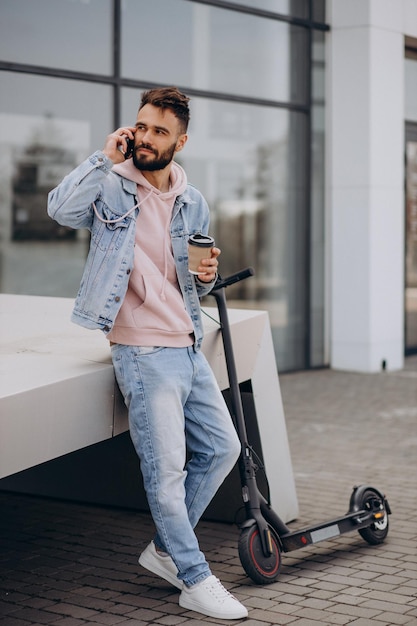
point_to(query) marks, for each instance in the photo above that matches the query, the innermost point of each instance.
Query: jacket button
(117, 299)
(106, 328)
(127, 271)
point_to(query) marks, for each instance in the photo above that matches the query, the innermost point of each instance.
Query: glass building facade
(73, 70)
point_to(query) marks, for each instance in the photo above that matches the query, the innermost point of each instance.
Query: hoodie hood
(177, 179)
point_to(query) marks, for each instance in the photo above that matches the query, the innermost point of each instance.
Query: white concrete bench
(58, 393)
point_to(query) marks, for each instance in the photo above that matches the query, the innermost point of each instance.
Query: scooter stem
(250, 493)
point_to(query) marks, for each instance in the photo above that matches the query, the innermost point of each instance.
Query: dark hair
(169, 98)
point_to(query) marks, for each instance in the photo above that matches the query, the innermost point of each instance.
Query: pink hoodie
(153, 312)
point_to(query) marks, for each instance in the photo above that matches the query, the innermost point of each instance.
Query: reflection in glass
(411, 247)
(39, 145)
(214, 49)
(319, 10)
(410, 113)
(248, 162)
(69, 34)
(317, 201)
(410, 95)
(39, 167)
(296, 8)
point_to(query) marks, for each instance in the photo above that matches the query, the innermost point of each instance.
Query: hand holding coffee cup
(199, 247)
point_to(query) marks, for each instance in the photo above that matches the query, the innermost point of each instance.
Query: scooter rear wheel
(262, 569)
(378, 530)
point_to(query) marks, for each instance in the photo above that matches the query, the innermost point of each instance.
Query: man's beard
(160, 161)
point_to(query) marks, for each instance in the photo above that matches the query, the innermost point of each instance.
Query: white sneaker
(209, 597)
(161, 565)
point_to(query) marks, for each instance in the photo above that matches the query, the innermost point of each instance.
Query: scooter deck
(332, 528)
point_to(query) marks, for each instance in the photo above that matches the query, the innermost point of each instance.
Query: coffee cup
(199, 247)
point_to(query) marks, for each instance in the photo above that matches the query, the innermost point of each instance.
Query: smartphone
(130, 146)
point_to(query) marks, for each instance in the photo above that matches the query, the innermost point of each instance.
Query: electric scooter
(263, 535)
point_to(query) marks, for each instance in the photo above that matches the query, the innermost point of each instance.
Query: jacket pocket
(110, 233)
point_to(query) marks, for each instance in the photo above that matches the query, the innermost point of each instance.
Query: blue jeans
(175, 405)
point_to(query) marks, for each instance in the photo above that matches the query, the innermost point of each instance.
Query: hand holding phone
(129, 149)
(115, 143)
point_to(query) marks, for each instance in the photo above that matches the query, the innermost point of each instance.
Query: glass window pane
(319, 11)
(218, 50)
(47, 126)
(410, 98)
(248, 161)
(317, 231)
(296, 8)
(257, 57)
(411, 240)
(170, 59)
(69, 34)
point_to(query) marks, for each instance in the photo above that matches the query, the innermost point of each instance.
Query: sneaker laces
(217, 590)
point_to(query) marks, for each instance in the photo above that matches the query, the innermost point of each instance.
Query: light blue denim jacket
(110, 258)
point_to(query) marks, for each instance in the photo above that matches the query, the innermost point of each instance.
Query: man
(137, 289)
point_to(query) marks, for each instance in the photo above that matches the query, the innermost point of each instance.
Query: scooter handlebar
(233, 278)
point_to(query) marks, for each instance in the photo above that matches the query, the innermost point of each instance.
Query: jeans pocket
(147, 350)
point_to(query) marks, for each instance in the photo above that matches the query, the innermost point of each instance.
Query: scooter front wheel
(262, 569)
(378, 530)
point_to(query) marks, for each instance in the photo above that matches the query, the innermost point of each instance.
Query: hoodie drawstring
(162, 294)
(122, 217)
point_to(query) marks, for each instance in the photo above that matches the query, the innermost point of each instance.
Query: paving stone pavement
(66, 564)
